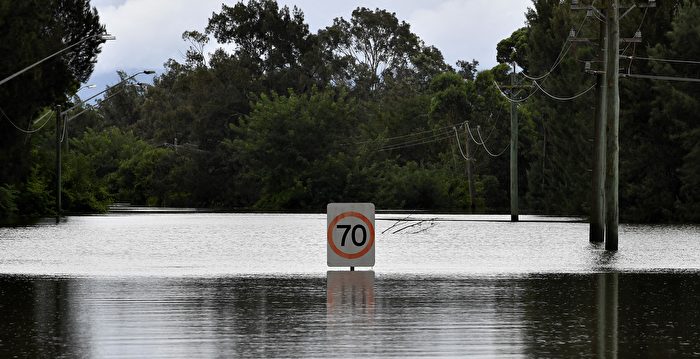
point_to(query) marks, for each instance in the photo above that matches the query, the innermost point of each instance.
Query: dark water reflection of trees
(545, 315)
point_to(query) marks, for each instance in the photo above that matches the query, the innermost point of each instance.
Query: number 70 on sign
(350, 234)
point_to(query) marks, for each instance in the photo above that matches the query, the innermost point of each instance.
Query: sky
(148, 32)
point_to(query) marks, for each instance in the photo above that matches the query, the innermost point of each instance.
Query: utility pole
(59, 117)
(597, 221)
(470, 178)
(612, 170)
(513, 154)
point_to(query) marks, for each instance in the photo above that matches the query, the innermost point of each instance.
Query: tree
(372, 43)
(450, 103)
(195, 56)
(467, 69)
(514, 48)
(123, 103)
(559, 151)
(671, 143)
(32, 30)
(287, 140)
(273, 42)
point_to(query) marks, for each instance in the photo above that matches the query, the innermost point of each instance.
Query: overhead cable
(421, 139)
(469, 130)
(459, 145)
(513, 100)
(402, 136)
(559, 98)
(560, 57)
(657, 77)
(639, 28)
(396, 147)
(23, 130)
(65, 125)
(662, 60)
(486, 148)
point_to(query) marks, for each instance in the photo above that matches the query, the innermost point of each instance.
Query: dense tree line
(659, 139)
(364, 110)
(29, 31)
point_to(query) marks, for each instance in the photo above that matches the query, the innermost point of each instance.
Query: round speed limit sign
(350, 234)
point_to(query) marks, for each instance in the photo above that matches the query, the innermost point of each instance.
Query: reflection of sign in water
(350, 290)
(350, 235)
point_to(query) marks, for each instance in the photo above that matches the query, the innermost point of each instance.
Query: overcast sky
(149, 31)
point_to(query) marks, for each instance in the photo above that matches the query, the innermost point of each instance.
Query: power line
(388, 148)
(469, 130)
(560, 57)
(559, 98)
(23, 130)
(639, 28)
(512, 99)
(493, 129)
(657, 77)
(486, 148)
(408, 142)
(459, 144)
(399, 137)
(662, 60)
(482, 143)
(65, 125)
(48, 119)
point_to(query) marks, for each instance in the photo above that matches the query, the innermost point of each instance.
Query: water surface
(252, 285)
(213, 245)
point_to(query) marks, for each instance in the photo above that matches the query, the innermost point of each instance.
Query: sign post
(350, 235)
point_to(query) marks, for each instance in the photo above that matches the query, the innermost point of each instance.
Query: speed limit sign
(350, 234)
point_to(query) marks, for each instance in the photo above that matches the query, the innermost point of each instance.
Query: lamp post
(59, 119)
(90, 86)
(104, 99)
(145, 72)
(101, 36)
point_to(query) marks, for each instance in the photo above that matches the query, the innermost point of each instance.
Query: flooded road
(242, 285)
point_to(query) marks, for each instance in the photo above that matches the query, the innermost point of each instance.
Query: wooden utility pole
(513, 155)
(597, 221)
(470, 178)
(612, 170)
(58, 163)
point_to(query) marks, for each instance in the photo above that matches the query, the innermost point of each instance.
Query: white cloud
(469, 29)
(461, 29)
(149, 31)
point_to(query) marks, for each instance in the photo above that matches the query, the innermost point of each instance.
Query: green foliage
(8, 207)
(273, 43)
(31, 31)
(671, 171)
(558, 157)
(450, 98)
(375, 49)
(415, 187)
(362, 110)
(514, 48)
(35, 197)
(286, 137)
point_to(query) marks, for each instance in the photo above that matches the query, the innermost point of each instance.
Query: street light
(59, 116)
(145, 72)
(90, 86)
(101, 36)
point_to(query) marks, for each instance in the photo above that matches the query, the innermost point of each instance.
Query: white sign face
(350, 234)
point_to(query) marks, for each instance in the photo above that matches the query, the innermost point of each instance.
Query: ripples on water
(568, 315)
(215, 245)
(208, 285)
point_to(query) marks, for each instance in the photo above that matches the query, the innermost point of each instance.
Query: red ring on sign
(337, 250)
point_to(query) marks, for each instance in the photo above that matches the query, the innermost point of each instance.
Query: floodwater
(257, 285)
